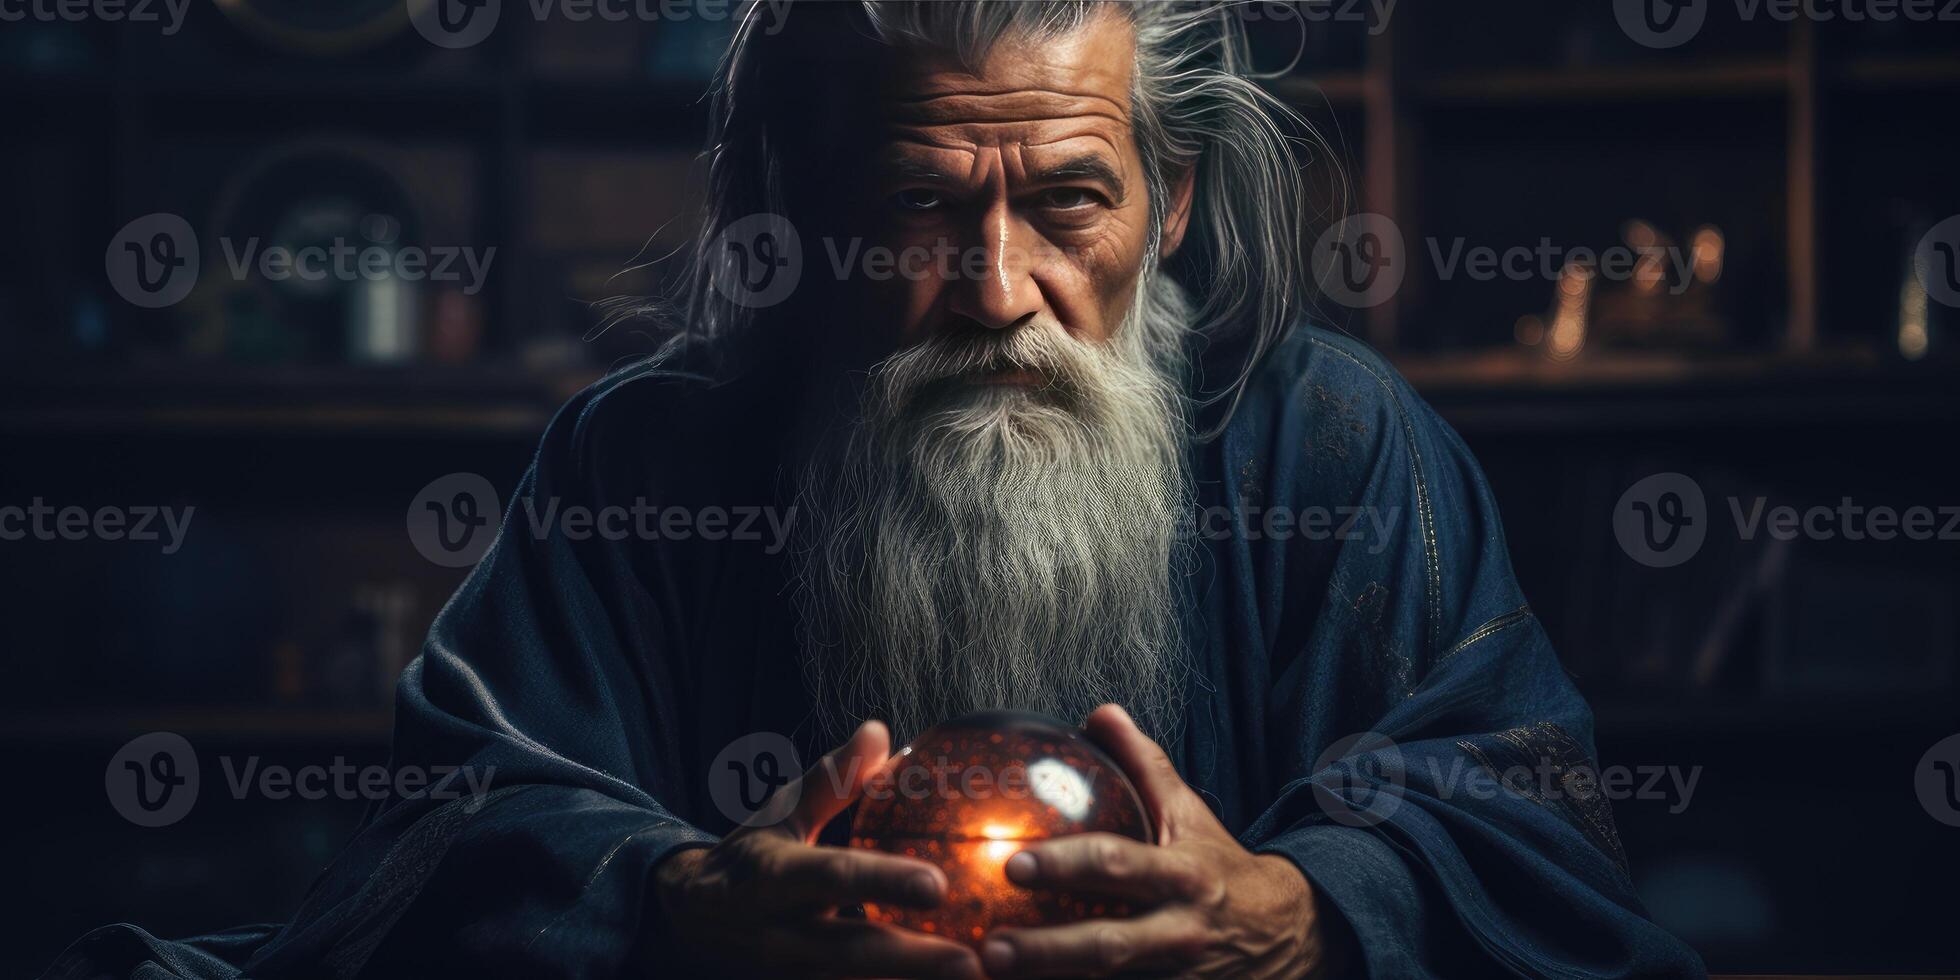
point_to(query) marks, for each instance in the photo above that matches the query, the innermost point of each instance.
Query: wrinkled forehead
(1028, 88)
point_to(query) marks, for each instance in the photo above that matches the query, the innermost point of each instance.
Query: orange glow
(1039, 779)
(1000, 843)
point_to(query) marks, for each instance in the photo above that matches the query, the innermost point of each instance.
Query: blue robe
(1353, 581)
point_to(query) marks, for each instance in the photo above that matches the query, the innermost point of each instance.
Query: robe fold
(1370, 696)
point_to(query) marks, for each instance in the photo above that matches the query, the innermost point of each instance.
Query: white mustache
(1043, 348)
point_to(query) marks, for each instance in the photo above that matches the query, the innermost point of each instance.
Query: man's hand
(763, 901)
(1210, 907)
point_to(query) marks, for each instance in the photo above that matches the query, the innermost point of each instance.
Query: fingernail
(1021, 867)
(926, 887)
(998, 955)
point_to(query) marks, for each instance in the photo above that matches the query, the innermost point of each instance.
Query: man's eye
(918, 199)
(1067, 198)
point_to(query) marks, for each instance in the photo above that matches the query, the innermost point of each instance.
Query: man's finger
(805, 876)
(855, 948)
(837, 779)
(1166, 940)
(1106, 864)
(1170, 801)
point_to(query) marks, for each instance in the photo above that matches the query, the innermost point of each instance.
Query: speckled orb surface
(968, 793)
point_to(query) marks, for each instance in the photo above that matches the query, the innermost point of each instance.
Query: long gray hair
(1195, 104)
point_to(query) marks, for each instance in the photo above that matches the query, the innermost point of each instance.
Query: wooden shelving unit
(1742, 79)
(1394, 95)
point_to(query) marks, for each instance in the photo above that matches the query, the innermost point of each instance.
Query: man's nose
(1001, 291)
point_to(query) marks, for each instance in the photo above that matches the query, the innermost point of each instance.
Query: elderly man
(1037, 396)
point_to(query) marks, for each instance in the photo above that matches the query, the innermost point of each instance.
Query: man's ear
(1178, 217)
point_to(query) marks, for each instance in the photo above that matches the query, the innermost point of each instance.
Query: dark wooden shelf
(1519, 368)
(1533, 86)
(1895, 74)
(343, 419)
(218, 399)
(373, 725)
(1521, 391)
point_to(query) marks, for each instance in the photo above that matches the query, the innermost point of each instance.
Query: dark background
(1806, 678)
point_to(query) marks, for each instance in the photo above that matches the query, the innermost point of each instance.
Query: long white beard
(966, 547)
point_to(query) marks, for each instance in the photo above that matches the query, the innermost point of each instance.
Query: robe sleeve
(552, 678)
(1433, 762)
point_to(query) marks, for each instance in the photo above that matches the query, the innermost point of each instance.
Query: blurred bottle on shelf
(456, 329)
(1649, 294)
(1668, 301)
(1929, 288)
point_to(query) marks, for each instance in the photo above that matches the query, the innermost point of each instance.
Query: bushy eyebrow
(908, 169)
(1088, 166)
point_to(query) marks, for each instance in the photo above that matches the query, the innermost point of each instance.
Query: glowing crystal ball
(968, 793)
